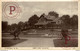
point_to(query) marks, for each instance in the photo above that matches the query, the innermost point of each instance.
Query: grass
(61, 43)
(57, 42)
(10, 42)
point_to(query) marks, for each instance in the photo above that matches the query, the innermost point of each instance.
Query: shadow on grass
(61, 43)
(11, 42)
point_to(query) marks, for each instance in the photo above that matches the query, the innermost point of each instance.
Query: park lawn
(11, 42)
(57, 42)
(70, 43)
(39, 32)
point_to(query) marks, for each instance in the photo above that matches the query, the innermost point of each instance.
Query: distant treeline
(68, 21)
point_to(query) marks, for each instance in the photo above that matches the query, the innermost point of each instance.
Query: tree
(52, 13)
(14, 26)
(9, 28)
(20, 25)
(33, 19)
(74, 21)
(17, 29)
(66, 21)
(4, 25)
(26, 25)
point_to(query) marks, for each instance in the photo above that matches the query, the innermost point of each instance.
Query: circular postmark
(11, 10)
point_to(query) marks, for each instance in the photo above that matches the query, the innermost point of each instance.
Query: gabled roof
(56, 19)
(48, 17)
(47, 20)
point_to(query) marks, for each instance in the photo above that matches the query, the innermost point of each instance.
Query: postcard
(37, 24)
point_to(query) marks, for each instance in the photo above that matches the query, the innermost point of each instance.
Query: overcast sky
(31, 8)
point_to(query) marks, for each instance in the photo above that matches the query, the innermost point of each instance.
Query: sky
(30, 8)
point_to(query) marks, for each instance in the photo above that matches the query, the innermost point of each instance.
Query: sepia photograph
(40, 24)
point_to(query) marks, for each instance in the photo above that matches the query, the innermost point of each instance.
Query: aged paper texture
(39, 25)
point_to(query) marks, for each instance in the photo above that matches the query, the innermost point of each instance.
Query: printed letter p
(12, 8)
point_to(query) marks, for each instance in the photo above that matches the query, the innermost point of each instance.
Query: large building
(48, 21)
